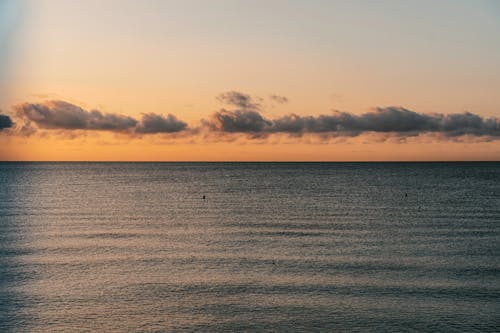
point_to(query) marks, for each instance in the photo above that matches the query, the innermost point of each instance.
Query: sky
(234, 80)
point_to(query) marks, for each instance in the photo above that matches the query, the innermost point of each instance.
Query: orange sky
(109, 148)
(164, 57)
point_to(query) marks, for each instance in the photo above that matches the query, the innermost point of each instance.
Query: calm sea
(332, 247)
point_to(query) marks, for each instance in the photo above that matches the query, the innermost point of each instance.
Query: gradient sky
(175, 57)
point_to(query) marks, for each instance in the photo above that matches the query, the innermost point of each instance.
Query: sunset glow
(413, 81)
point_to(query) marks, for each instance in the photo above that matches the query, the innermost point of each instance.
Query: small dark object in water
(203, 197)
(406, 195)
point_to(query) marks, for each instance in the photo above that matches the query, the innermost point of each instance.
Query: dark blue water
(333, 247)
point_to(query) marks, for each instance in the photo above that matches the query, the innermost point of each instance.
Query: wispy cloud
(239, 100)
(278, 99)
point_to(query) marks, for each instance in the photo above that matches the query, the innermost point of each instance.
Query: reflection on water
(273, 247)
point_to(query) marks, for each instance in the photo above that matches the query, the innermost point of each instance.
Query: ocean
(280, 247)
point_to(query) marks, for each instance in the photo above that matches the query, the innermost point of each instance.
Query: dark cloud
(153, 123)
(278, 99)
(242, 121)
(338, 122)
(469, 124)
(390, 119)
(66, 116)
(246, 118)
(5, 122)
(396, 120)
(63, 115)
(239, 100)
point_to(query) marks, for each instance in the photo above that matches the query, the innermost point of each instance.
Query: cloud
(238, 121)
(239, 100)
(5, 122)
(278, 99)
(383, 120)
(154, 123)
(395, 120)
(245, 118)
(62, 115)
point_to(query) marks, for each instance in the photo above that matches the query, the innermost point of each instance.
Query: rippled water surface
(382, 247)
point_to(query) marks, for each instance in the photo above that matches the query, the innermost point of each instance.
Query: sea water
(327, 247)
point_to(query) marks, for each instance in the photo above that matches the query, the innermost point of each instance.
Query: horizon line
(249, 161)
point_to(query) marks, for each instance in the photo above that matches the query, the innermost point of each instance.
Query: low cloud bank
(396, 120)
(243, 115)
(66, 116)
(63, 115)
